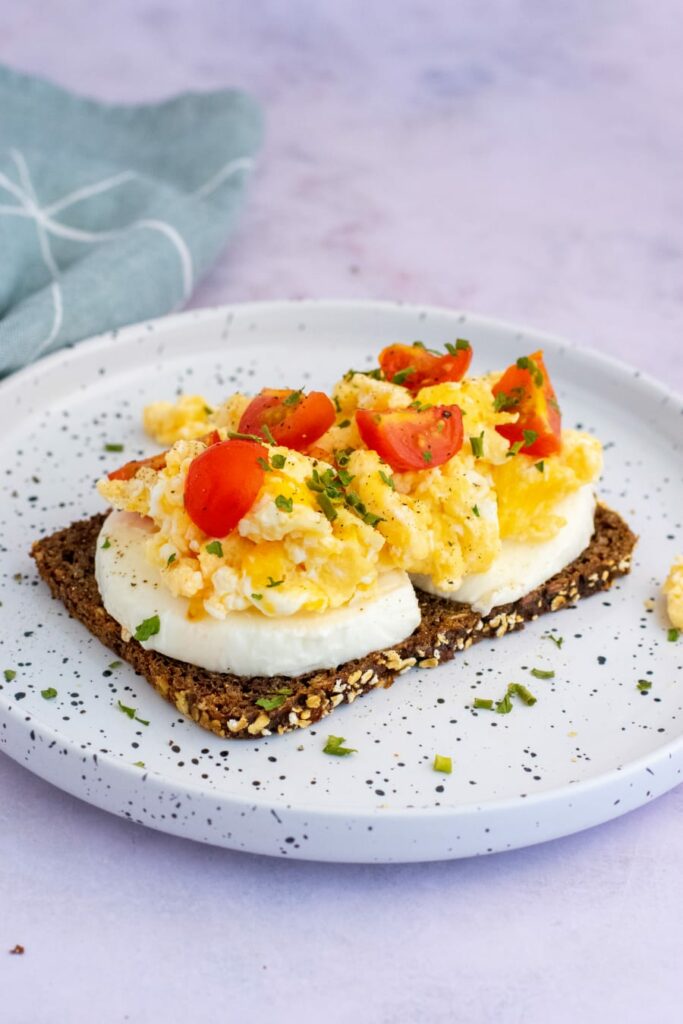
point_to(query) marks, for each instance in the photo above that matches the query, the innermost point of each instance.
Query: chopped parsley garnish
(113, 447)
(171, 559)
(263, 463)
(274, 700)
(9, 675)
(48, 694)
(529, 437)
(115, 664)
(388, 480)
(402, 375)
(525, 363)
(257, 597)
(644, 685)
(672, 635)
(442, 764)
(106, 544)
(344, 424)
(539, 673)
(294, 398)
(427, 456)
(147, 628)
(540, 466)
(475, 509)
(483, 703)
(334, 746)
(478, 445)
(557, 640)
(284, 504)
(274, 583)
(278, 460)
(215, 548)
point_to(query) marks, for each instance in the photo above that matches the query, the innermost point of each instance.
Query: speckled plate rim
(667, 758)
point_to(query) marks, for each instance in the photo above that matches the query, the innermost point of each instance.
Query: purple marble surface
(515, 158)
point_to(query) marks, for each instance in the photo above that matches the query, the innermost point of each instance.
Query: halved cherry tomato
(525, 388)
(222, 484)
(416, 367)
(411, 438)
(295, 420)
(129, 469)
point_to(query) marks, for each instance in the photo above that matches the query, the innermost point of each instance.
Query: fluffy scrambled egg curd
(673, 588)
(285, 556)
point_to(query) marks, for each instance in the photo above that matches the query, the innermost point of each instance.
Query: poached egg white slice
(522, 566)
(245, 643)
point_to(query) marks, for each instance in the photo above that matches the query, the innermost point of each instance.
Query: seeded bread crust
(226, 704)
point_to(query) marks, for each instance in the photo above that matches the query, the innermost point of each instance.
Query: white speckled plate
(591, 748)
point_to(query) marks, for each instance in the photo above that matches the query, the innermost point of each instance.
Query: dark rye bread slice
(226, 704)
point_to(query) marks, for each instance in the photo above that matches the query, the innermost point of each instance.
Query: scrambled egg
(673, 588)
(191, 417)
(277, 561)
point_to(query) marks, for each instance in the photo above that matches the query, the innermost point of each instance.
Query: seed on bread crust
(226, 704)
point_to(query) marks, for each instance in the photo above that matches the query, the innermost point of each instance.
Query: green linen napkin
(110, 214)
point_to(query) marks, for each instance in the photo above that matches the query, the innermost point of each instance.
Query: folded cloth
(110, 214)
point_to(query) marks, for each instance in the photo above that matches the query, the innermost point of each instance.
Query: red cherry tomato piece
(129, 469)
(295, 420)
(415, 367)
(222, 484)
(525, 388)
(413, 439)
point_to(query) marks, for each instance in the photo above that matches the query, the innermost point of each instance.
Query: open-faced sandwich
(290, 551)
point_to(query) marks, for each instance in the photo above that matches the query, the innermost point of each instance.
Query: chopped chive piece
(326, 506)
(106, 544)
(460, 346)
(673, 634)
(402, 375)
(514, 449)
(442, 764)
(257, 597)
(142, 721)
(522, 692)
(274, 700)
(127, 711)
(138, 764)
(427, 456)
(540, 466)
(115, 664)
(171, 559)
(370, 519)
(113, 447)
(483, 702)
(336, 403)
(388, 480)
(334, 746)
(284, 504)
(264, 464)
(147, 628)
(539, 673)
(345, 477)
(274, 583)
(525, 363)
(529, 437)
(475, 509)
(344, 424)
(557, 640)
(294, 398)
(644, 685)
(215, 548)
(268, 434)
(234, 435)
(208, 411)
(478, 446)
(9, 675)
(278, 460)
(504, 705)
(48, 694)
